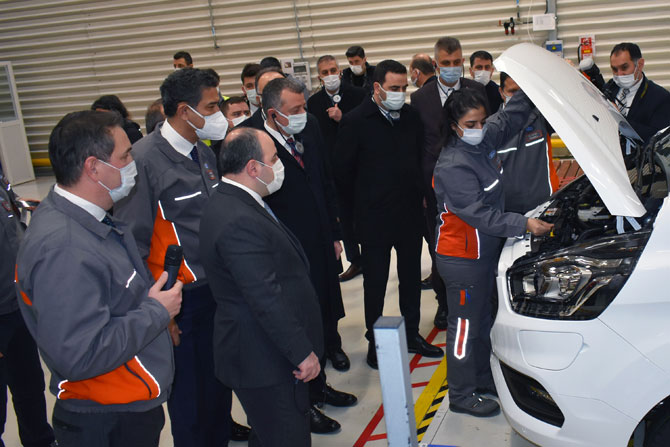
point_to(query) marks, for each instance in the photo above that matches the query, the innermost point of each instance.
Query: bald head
(266, 77)
(421, 68)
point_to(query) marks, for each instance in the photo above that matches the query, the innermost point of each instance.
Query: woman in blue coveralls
(471, 227)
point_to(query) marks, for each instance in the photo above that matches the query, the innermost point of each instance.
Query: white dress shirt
(446, 91)
(91, 208)
(179, 143)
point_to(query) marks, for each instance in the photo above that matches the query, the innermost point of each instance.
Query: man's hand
(334, 113)
(170, 299)
(174, 332)
(538, 227)
(1, 356)
(308, 369)
(338, 249)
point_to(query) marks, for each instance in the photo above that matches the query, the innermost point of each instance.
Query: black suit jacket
(319, 102)
(267, 318)
(650, 110)
(364, 81)
(493, 96)
(307, 204)
(427, 101)
(377, 172)
(255, 120)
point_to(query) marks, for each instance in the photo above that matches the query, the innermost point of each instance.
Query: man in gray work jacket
(87, 298)
(176, 175)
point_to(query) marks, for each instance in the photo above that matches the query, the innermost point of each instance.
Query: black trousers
(431, 221)
(21, 371)
(351, 247)
(376, 259)
(112, 429)
(470, 284)
(199, 405)
(277, 414)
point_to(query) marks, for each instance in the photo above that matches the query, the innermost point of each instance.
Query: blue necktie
(108, 221)
(194, 155)
(267, 208)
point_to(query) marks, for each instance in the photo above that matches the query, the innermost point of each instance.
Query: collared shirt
(446, 91)
(91, 208)
(279, 137)
(179, 143)
(628, 100)
(257, 197)
(385, 113)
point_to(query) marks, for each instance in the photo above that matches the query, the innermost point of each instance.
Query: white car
(581, 340)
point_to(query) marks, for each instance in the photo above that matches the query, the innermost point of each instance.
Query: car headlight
(576, 283)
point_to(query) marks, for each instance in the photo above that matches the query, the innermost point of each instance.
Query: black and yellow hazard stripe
(430, 399)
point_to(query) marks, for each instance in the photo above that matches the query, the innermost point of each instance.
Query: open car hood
(587, 123)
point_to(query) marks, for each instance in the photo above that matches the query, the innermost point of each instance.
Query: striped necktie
(294, 151)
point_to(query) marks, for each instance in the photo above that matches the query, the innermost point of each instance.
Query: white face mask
(394, 100)
(507, 98)
(626, 81)
(357, 69)
(473, 136)
(215, 128)
(414, 81)
(278, 180)
(252, 96)
(239, 120)
(482, 76)
(296, 123)
(128, 173)
(331, 82)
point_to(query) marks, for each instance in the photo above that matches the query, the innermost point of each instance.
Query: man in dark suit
(328, 105)
(645, 104)
(378, 176)
(421, 70)
(307, 205)
(429, 100)
(359, 73)
(481, 70)
(264, 76)
(268, 334)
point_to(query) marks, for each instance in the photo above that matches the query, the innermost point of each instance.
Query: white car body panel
(586, 122)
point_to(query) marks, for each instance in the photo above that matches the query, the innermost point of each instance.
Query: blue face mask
(450, 75)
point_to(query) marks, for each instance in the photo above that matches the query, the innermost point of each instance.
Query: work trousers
(376, 259)
(199, 405)
(110, 429)
(21, 371)
(470, 284)
(278, 414)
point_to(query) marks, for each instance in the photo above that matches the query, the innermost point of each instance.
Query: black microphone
(588, 67)
(173, 257)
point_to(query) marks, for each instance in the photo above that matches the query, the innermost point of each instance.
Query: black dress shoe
(440, 320)
(417, 345)
(336, 398)
(427, 284)
(339, 359)
(320, 423)
(239, 432)
(476, 405)
(353, 271)
(372, 356)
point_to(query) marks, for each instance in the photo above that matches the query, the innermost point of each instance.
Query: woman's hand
(538, 227)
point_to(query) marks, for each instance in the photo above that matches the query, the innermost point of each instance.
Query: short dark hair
(213, 72)
(423, 65)
(481, 54)
(241, 145)
(458, 104)
(273, 90)
(185, 85)
(77, 136)
(633, 50)
(355, 50)
(325, 58)
(262, 71)
(111, 103)
(154, 115)
(448, 44)
(388, 66)
(225, 105)
(503, 77)
(270, 61)
(183, 55)
(250, 70)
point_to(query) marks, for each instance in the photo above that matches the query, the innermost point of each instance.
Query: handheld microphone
(590, 69)
(173, 258)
